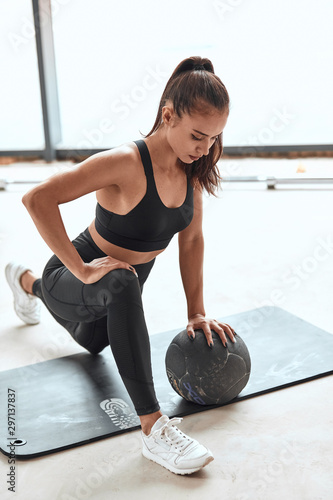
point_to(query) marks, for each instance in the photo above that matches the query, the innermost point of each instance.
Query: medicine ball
(205, 375)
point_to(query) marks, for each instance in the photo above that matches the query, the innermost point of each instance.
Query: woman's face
(192, 135)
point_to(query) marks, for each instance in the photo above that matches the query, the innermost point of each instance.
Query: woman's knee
(117, 286)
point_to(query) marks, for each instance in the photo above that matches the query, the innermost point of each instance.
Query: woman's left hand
(198, 321)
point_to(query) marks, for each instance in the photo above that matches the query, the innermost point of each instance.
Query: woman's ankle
(147, 421)
(27, 280)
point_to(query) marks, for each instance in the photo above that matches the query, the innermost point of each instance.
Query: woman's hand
(95, 270)
(198, 321)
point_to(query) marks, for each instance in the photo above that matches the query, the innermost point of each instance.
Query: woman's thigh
(73, 300)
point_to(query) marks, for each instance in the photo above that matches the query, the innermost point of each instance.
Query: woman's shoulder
(125, 156)
(127, 151)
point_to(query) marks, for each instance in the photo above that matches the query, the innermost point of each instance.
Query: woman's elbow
(27, 199)
(33, 199)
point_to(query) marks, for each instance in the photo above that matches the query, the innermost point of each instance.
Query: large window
(113, 59)
(21, 121)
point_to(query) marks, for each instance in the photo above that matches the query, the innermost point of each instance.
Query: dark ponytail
(193, 86)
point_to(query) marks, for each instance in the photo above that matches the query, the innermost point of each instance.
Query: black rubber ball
(205, 375)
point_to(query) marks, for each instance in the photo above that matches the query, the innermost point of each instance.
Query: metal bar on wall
(47, 76)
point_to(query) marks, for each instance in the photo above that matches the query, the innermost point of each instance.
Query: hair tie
(199, 67)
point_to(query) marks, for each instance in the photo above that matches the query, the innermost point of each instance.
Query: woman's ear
(168, 115)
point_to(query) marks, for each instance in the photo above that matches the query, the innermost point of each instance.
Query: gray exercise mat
(78, 399)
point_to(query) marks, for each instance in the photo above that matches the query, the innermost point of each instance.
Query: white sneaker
(26, 306)
(168, 446)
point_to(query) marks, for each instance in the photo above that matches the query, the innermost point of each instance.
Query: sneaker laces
(170, 433)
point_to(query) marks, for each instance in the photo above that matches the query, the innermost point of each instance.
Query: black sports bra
(150, 225)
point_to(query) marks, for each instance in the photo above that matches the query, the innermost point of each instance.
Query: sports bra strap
(145, 157)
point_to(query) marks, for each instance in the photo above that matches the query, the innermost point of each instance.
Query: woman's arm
(191, 253)
(42, 202)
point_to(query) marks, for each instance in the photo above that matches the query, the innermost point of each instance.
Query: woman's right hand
(95, 270)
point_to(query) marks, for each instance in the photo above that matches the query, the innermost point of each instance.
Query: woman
(146, 192)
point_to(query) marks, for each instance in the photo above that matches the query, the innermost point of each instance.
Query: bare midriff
(130, 256)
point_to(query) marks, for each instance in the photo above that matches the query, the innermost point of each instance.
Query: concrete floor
(257, 241)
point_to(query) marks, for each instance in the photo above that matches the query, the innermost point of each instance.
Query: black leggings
(108, 312)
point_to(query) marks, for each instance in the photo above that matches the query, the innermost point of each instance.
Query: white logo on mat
(120, 413)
